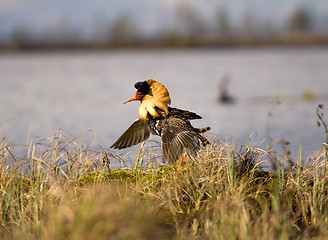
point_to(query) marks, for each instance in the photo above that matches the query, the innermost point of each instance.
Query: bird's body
(171, 124)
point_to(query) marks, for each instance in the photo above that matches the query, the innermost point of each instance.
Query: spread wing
(138, 132)
(175, 139)
(184, 113)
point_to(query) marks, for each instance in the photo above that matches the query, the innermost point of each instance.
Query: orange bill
(135, 98)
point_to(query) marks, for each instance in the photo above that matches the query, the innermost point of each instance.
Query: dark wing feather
(176, 112)
(138, 132)
(175, 140)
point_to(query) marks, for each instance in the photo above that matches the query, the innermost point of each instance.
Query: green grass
(62, 190)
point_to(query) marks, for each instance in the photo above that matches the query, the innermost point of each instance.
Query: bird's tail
(202, 130)
(202, 138)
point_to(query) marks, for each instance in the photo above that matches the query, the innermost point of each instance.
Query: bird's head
(143, 89)
(151, 89)
(151, 93)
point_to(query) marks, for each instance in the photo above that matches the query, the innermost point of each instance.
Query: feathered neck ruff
(158, 96)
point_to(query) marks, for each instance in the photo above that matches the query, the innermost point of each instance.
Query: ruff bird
(173, 125)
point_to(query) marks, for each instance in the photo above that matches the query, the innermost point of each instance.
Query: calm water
(81, 91)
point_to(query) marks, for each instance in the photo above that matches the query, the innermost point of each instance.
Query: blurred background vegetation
(36, 24)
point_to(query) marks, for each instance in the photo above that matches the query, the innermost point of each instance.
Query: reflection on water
(275, 92)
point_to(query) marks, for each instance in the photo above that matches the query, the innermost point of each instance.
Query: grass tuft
(60, 189)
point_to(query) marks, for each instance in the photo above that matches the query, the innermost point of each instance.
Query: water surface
(81, 91)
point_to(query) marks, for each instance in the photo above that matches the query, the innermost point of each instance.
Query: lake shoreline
(297, 39)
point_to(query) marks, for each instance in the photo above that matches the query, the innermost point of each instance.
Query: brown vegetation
(62, 190)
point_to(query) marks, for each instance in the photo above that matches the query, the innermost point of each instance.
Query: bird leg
(179, 166)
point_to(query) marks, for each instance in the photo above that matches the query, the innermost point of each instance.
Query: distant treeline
(189, 31)
(295, 39)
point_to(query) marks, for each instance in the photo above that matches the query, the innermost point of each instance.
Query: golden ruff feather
(158, 96)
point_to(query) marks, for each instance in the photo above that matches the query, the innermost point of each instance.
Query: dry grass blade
(62, 189)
